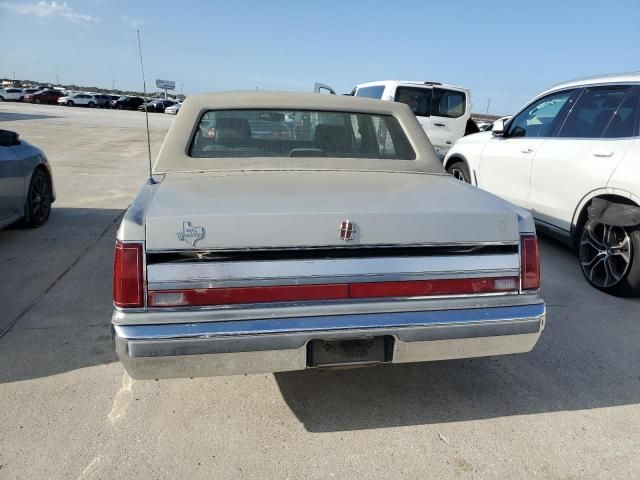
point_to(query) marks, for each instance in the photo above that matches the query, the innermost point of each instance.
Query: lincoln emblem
(347, 230)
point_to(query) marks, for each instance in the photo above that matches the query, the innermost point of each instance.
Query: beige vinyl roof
(174, 157)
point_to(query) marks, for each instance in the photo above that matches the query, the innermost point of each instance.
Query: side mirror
(8, 138)
(498, 128)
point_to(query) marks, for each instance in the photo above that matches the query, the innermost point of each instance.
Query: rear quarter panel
(625, 180)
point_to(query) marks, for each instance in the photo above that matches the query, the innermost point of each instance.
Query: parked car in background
(317, 254)
(156, 105)
(572, 157)
(30, 91)
(127, 103)
(173, 109)
(44, 96)
(102, 100)
(78, 99)
(26, 184)
(444, 111)
(15, 94)
(270, 130)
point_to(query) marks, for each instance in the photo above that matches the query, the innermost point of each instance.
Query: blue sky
(504, 50)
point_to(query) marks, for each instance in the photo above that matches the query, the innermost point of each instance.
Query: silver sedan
(26, 184)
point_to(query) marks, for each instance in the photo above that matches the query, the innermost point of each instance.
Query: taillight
(333, 291)
(529, 262)
(128, 281)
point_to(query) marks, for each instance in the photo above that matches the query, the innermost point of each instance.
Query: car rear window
(299, 133)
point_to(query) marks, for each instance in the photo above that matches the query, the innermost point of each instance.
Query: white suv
(85, 99)
(16, 94)
(572, 157)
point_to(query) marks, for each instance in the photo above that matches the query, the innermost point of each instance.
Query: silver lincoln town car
(333, 237)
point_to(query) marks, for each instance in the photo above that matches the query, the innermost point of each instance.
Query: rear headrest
(332, 138)
(236, 127)
(612, 101)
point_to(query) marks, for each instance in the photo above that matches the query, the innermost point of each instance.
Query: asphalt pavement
(567, 410)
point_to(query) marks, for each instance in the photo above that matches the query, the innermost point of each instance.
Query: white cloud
(133, 22)
(49, 9)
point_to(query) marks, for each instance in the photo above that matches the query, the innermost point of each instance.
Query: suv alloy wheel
(609, 258)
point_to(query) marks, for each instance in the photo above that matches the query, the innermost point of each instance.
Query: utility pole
(14, 76)
(113, 84)
(488, 105)
(181, 85)
(57, 81)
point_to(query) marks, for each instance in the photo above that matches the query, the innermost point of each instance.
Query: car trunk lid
(276, 210)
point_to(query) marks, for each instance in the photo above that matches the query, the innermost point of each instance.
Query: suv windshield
(299, 133)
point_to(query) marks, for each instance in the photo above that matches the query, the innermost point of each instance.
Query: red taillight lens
(529, 262)
(333, 291)
(128, 281)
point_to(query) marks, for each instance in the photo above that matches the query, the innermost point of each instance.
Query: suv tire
(459, 171)
(610, 258)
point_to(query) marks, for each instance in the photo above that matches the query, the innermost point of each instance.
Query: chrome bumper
(276, 345)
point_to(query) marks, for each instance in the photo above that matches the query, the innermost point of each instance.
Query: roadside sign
(166, 84)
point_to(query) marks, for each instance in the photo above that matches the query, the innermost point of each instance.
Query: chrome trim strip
(330, 323)
(281, 272)
(341, 247)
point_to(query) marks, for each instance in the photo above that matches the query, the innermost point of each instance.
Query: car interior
(336, 135)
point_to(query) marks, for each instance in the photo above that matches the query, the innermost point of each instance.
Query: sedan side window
(596, 110)
(538, 118)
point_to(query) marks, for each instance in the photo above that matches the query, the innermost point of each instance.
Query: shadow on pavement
(10, 116)
(586, 358)
(57, 308)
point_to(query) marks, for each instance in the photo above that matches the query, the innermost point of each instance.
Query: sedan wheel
(39, 197)
(37, 100)
(70, 103)
(607, 255)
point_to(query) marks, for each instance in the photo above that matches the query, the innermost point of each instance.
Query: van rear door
(418, 99)
(449, 113)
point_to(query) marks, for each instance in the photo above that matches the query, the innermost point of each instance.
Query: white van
(444, 111)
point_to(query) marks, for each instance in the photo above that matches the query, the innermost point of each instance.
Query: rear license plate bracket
(349, 351)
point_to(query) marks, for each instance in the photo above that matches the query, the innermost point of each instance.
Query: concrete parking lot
(568, 410)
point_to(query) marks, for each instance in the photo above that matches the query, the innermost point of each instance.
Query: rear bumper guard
(273, 345)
